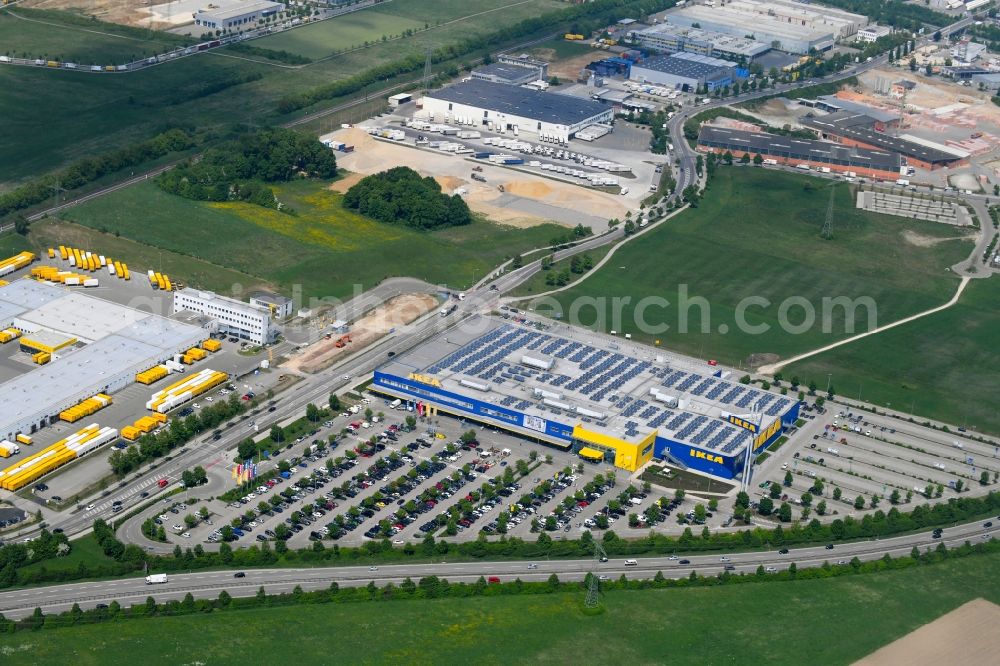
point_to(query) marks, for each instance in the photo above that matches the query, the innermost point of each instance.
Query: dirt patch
(452, 172)
(757, 360)
(347, 182)
(567, 69)
(913, 238)
(395, 312)
(967, 635)
(122, 12)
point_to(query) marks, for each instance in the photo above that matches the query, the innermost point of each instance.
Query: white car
(209, 399)
(771, 570)
(186, 535)
(346, 377)
(196, 406)
(177, 528)
(91, 507)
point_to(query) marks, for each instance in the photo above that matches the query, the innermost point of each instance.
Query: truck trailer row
(18, 261)
(186, 389)
(52, 457)
(85, 408)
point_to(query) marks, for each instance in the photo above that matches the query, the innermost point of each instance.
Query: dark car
(988, 524)
(829, 546)
(783, 551)
(684, 562)
(239, 574)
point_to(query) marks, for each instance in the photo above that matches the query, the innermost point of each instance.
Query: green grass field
(790, 623)
(324, 248)
(942, 366)
(111, 111)
(30, 33)
(318, 40)
(560, 48)
(536, 283)
(756, 234)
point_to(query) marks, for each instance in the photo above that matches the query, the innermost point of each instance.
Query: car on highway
(771, 569)
(684, 562)
(239, 574)
(988, 524)
(91, 507)
(783, 551)
(829, 546)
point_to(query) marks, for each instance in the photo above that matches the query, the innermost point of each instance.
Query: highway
(19, 603)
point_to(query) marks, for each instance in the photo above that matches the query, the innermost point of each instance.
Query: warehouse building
(803, 153)
(860, 130)
(872, 33)
(510, 75)
(97, 347)
(687, 71)
(245, 321)
(784, 24)
(242, 16)
(524, 60)
(600, 397)
(514, 109)
(668, 38)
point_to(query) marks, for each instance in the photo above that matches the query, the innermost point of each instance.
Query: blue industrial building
(584, 393)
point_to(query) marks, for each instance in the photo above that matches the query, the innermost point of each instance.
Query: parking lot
(866, 455)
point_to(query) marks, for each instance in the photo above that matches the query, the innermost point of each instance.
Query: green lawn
(771, 623)
(84, 551)
(943, 366)
(325, 37)
(11, 244)
(31, 33)
(324, 248)
(536, 283)
(757, 234)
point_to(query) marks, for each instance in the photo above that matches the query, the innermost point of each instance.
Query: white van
(631, 563)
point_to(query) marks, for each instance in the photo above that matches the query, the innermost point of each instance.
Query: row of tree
(150, 446)
(401, 196)
(89, 169)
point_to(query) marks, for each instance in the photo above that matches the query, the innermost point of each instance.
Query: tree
(679, 494)
(21, 225)
(789, 479)
(277, 434)
(517, 261)
(984, 478)
(247, 449)
(312, 413)
(745, 158)
(699, 513)
(775, 491)
(913, 64)
(837, 493)
(821, 508)
(713, 505)
(806, 499)
(758, 159)
(785, 512)
(742, 499)
(334, 403)
(859, 502)
(928, 70)
(766, 506)
(873, 502)
(894, 496)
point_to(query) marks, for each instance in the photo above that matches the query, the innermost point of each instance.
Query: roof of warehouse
(505, 71)
(85, 370)
(49, 338)
(516, 101)
(82, 316)
(879, 139)
(847, 105)
(243, 8)
(683, 64)
(805, 149)
(30, 294)
(591, 374)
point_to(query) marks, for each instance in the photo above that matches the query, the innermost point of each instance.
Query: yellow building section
(629, 456)
(9, 334)
(766, 433)
(39, 346)
(591, 454)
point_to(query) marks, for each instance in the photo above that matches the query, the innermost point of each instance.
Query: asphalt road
(15, 604)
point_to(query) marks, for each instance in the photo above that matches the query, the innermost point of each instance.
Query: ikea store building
(603, 398)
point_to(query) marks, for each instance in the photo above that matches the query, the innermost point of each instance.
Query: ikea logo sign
(425, 379)
(694, 453)
(767, 434)
(743, 423)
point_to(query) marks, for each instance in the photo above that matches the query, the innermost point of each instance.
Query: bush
(401, 196)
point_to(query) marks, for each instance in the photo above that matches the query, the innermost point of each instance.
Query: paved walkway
(772, 368)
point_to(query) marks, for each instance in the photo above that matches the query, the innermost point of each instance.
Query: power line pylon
(593, 599)
(827, 233)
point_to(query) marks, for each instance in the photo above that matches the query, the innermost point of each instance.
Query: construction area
(513, 196)
(371, 327)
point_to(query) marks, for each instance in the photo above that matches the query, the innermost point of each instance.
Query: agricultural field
(318, 40)
(757, 234)
(549, 627)
(322, 247)
(31, 33)
(942, 366)
(208, 91)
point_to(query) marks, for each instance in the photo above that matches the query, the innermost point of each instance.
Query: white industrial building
(784, 24)
(668, 38)
(112, 343)
(246, 321)
(243, 15)
(507, 108)
(280, 306)
(872, 33)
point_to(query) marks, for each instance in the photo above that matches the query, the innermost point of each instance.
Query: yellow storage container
(62, 252)
(154, 374)
(41, 358)
(52, 253)
(131, 433)
(211, 345)
(23, 439)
